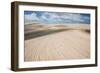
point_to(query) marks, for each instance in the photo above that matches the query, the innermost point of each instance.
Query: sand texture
(59, 42)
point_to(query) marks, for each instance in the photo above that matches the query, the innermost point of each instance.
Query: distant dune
(57, 42)
(58, 26)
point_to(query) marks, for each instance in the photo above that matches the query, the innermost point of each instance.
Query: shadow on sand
(41, 33)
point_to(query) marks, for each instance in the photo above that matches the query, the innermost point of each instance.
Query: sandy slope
(69, 44)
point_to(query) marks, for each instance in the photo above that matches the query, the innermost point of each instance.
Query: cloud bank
(55, 17)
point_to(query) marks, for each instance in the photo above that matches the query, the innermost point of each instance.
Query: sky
(46, 17)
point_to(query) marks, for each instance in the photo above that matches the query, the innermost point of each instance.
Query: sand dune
(37, 27)
(67, 44)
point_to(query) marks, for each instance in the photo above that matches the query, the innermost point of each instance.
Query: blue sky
(46, 17)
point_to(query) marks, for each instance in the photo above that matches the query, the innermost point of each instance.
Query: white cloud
(29, 18)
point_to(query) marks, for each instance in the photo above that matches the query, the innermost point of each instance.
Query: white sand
(69, 44)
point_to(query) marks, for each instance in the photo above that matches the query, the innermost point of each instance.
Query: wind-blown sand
(73, 43)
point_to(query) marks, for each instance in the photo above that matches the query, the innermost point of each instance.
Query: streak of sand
(69, 44)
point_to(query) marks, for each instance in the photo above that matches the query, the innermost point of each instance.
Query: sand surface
(67, 44)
